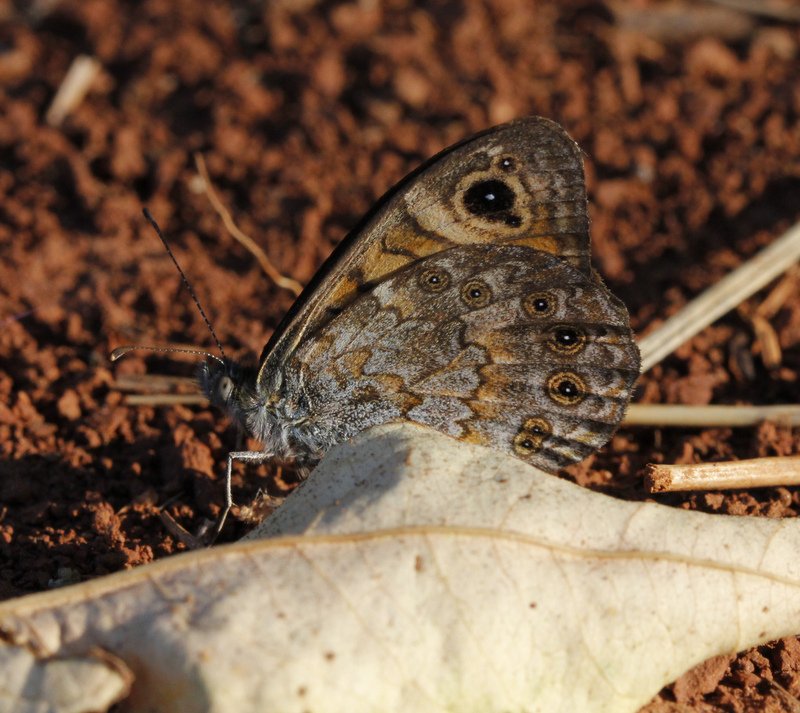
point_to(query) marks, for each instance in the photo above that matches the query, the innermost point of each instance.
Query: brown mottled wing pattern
(501, 345)
(518, 184)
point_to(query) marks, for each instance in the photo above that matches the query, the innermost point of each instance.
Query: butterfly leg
(253, 456)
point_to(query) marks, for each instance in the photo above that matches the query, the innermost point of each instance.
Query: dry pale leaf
(414, 573)
(70, 683)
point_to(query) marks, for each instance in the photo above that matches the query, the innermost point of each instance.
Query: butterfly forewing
(520, 183)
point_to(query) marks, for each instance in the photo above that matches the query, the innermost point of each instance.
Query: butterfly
(465, 301)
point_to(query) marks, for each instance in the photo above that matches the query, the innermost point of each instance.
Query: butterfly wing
(505, 346)
(518, 184)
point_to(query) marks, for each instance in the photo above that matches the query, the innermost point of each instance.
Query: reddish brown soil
(306, 112)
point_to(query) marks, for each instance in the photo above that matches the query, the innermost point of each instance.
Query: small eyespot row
(531, 436)
(566, 339)
(540, 304)
(434, 280)
(506, 164)
(566, 388)
(476, 293)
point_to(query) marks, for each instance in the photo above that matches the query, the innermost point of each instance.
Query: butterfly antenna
(161, 237)
(120, 352)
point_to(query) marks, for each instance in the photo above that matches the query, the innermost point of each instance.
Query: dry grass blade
(755, 473)
(785, 10)
(675, 22)
(279, 279)
(733, 289)
(710, 416)
(37, 10)
(758, 317)
(154, 383)
(179, 532)
(767, 337)
(792, 702)
(77, 82)
(166, 400)
(159, 390)
(779, 295)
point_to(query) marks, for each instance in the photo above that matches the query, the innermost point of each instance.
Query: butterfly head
(229, 386)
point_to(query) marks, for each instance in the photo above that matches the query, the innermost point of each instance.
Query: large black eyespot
(566, 387)
(530, 437)
(434, 279)
(539, 304)
(491, 199)
(476, 293)
(566, 339)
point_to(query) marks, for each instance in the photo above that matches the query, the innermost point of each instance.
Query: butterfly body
(278, 418)
(464, 302)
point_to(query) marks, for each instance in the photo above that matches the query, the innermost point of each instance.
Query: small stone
(69, 405)
(329, 74)
(711, 58)
(412, 87)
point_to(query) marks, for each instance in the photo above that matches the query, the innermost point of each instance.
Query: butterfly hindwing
(500, 345)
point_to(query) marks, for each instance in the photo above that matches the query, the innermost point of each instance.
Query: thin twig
(669, 415)
(759, 316)
(793, 702)
(271, 271)
(166, 400)
(780, 294)
(755, 473)
(785, 11)
(767, 338)
(154, 383)
(74, 87)
(39, 10)
(716, 301)
(179, 532)
(677, 22)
